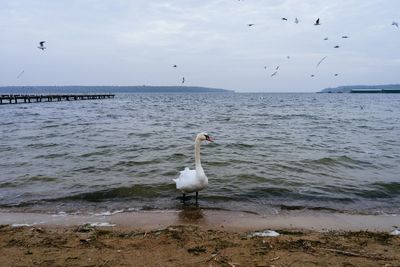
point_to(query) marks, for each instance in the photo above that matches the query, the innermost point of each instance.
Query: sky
(137, 42)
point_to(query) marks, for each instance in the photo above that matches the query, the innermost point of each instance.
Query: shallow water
(272, 153)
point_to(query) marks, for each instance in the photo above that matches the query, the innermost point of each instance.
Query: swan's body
(190, 181)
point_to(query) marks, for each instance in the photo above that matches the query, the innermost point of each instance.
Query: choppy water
(272, 152)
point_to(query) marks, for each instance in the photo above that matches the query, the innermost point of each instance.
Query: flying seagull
(336, 46)
(175, 66)
(394, 23)
(317, 22)
(273, 74)
(41, 45)
(183, 80)
(336, 74)
(285, 19)
(296, 20)
(250, 24)
(345, 36)
(326, 39)
(312, 75)
(321, 61)
(19, 75)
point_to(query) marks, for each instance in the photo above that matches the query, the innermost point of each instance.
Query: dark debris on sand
(192, 246)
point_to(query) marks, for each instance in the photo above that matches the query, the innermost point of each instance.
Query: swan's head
(204, 137)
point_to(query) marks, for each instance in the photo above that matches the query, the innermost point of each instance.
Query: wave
(381, 190)
(52, 156)
(131, 192)
(42, 178)
(301, 207)
(236, 191)
(165, 196)
(340, 161)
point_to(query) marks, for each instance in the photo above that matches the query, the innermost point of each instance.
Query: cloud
(210, 40)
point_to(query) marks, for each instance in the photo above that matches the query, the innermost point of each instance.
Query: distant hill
(348, 88)
(108, 89)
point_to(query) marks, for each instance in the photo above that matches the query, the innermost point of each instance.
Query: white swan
(194, 180)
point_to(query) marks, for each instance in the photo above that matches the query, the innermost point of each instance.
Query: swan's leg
(197, 195)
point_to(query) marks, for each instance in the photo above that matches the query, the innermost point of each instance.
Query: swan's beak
(209, 138)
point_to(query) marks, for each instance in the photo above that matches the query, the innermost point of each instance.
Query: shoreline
(196, 237)
(235, 221)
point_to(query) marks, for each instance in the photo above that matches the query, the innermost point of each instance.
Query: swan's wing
(186, 179)
(187, 175)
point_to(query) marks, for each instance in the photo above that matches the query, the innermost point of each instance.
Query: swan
(194, 180)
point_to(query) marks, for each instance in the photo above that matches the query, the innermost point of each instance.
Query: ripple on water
(340, 161)
(315, 151)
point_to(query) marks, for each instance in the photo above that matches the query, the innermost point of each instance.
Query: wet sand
(212, 219)
(196, 237)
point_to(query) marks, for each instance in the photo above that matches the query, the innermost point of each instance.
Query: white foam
(133, 209)
(22, 224)
(395, 232)
(60, 214)
(102, 224)
(108, 213)
(266, 233)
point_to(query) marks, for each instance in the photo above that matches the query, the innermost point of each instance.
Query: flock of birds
(275, 68)
(316, 23)
(297, 21)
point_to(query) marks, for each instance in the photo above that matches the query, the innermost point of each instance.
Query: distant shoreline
(110, 89)
(369, 89)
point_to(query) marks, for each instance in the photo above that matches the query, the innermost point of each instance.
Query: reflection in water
(191, 215)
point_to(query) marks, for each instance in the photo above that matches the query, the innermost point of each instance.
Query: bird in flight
(317, 22)
(321, 61)
(273, 74)
(285, 19)
(326, 39)
(312, 75)
(41, 45)
(175, 66)
(296, 20)
(21, 73)
(250, 24)
(277, 67)
(345, 36)
(394, 23)
(336, 74)
(336, 46)
(183, 80)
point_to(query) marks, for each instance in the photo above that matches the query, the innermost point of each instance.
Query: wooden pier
(17, 99)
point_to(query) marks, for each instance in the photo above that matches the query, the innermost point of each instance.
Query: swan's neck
(199, 168)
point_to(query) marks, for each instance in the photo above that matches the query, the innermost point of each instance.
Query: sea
(273, 153)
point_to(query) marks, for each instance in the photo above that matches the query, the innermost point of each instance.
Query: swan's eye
(207, 137)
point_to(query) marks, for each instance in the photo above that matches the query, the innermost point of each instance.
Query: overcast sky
(136, 42)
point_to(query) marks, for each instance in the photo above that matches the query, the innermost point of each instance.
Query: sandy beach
(197, 237)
